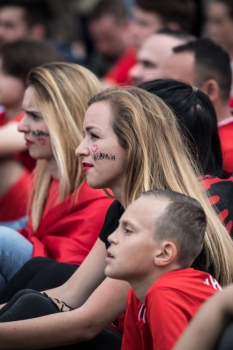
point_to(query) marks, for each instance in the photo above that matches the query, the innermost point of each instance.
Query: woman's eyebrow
(88, 128)
(31, 112)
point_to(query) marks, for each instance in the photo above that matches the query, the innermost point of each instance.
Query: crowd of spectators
(141, 60)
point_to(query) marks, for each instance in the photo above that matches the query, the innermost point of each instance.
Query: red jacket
(14, 202)
(68, 231)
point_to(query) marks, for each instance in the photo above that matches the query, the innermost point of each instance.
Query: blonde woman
(132, 144)
(66, 215)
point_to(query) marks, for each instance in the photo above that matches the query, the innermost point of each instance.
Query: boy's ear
(166, 254)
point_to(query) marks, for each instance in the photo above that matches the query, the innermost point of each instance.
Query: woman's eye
(36, 117)
(93, 136)
(127, 231)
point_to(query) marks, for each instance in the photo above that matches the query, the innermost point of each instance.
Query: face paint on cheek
(40, 133)
(104, 156)
(94, 148)
(41, 141)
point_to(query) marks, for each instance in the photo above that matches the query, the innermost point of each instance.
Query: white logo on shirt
(210, 281)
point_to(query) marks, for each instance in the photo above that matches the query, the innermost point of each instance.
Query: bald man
(154, 52)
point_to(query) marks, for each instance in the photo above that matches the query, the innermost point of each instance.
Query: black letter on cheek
(40, 133)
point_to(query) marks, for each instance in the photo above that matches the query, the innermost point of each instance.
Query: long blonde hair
(63, 91)
(157, 158)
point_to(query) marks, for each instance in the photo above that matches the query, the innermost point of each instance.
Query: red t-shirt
(225, 130)
(68, 229)
(170, 303)
(119, 73)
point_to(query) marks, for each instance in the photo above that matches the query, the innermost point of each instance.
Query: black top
(111, 221)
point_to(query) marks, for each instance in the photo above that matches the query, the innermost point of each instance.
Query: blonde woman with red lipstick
(132, 144)
(65, 214)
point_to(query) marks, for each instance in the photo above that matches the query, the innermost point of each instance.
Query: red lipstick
(86, 166)
(28, 142)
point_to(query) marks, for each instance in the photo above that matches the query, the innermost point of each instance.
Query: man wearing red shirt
(148, 18)
(158, 238)
(205, 65)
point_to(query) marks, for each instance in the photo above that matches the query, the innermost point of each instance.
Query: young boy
(158, 238)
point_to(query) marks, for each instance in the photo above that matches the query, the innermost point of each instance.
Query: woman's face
(35, 130)
(103, 158)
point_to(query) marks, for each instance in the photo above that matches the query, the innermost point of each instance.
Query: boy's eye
(127, 231)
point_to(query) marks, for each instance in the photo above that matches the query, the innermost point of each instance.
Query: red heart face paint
(41, 141)
(94, 148)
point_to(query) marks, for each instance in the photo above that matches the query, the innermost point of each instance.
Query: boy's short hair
(183, 221)
(19, 57)
(211, 62)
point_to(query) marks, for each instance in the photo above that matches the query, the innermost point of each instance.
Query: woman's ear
(165, 254)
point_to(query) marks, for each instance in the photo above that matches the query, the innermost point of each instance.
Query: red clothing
(225, 130)
(119, 73)
(3, 120)
(13, 204)
(68, 231)
(170, 304)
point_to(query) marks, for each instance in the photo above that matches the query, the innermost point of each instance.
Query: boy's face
(133, 246)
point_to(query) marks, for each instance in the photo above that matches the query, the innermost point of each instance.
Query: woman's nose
(23, 126)
(82, 150)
